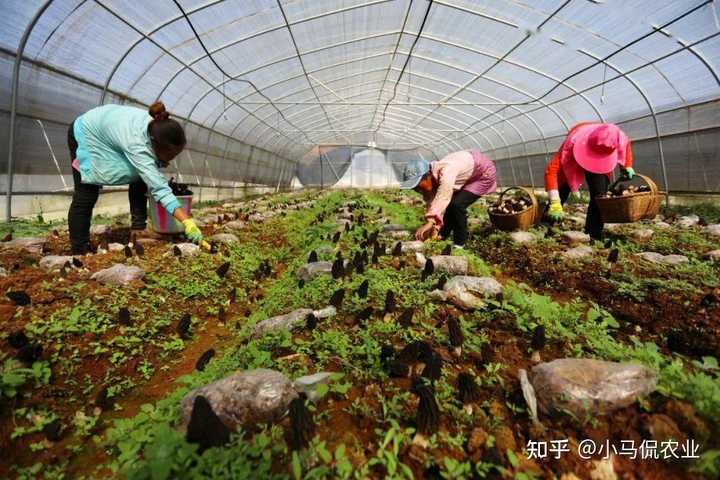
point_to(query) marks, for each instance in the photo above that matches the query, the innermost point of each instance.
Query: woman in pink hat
(590, 152)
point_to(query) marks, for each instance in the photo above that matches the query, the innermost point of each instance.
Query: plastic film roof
(397, 74)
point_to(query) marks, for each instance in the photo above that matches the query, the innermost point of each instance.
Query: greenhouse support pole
(332, 169)
(13, 107)
(662, 161)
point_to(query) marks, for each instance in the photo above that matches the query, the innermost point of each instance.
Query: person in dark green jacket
(119, 145)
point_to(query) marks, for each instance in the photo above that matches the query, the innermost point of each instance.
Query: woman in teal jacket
(118, 145)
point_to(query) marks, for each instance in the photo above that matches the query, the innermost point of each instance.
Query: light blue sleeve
(157, 185)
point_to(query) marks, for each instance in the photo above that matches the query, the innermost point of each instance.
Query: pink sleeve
(448, 170)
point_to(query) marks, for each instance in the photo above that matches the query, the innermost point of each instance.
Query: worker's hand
(556, 211)
(429, 230)
(192, 232)
(629, 173)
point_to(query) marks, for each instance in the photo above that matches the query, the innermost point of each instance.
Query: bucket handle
(648, 181)
(529, 193)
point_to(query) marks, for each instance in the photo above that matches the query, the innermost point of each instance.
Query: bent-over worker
(118, 145)
(449, 186)
(590, 152)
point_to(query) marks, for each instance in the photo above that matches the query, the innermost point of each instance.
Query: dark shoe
(137, 224)
(83, 249)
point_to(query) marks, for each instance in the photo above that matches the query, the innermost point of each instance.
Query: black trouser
(597, 185)
(84, 198)
(455, 218)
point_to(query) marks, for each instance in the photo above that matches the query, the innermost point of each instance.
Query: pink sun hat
(598, 147)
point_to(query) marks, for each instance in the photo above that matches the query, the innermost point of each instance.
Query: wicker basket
(520, 220)
(632, 207)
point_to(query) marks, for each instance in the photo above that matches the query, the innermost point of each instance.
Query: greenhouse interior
(360, 239)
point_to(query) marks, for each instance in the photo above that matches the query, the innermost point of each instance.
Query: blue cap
(413, 172)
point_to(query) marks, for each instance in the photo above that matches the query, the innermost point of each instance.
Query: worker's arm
(628, 169)
(144, 164)
(158, 187)
(450, 167)
(552, 171)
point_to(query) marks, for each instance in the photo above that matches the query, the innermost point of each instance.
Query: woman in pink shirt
(450, 186)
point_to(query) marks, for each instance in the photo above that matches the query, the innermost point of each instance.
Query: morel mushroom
(265, 268)
(176, 251)
(302, 425)
(397, 249)
(19, 297)
(336, 237)
(387, 353)
(204, 360)
(337, 298)
(428, 269)
(456, 335)
(398, 369)
(364, 314)
(405, 319)
(124, 316)
(377, 251)
(389, 302)
(373, 237)
(538, 339)
(447, 250)
(103, 400)
(222, 270)
(53, 430)
(313, 257)
(363, 289)
(348, 270)
(183, 327)
(139, 249)
(433, 367)
(427, 417)
(77, 263)
(338, 269)
(205, 427)
(311, 321)
(30, 353)
(127, 251)
(468, 391)
(416, 353)
(614, 255)
(301, 284)
(18, 339)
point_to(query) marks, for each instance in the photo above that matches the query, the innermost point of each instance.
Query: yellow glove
(192, 232)
(556, 211)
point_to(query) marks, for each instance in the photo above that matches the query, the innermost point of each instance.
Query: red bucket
(164, 222)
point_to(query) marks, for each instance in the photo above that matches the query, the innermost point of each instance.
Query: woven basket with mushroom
(625, 203)
(515, 211)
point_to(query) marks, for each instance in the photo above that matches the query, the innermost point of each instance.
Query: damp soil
(65, 395)
(681, 321)
(506, 344)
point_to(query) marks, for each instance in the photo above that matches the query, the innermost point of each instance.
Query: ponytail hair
(157, 111)
(166, 134)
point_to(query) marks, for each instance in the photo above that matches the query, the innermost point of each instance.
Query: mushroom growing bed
(313, 343)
